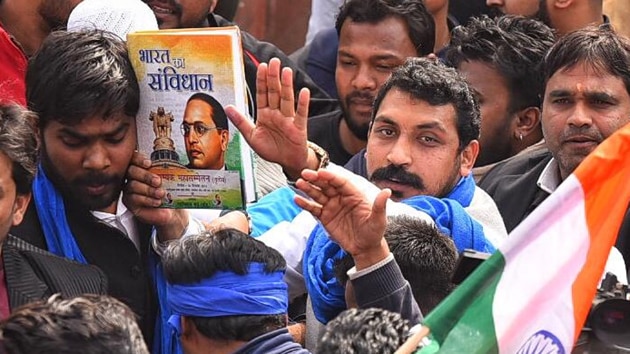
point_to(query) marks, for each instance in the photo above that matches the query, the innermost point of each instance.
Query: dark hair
(515, 46)
(426, 257)
(96, 324)
(218, 113)
(596, 46)
(431, 81)
(76, 75)
(419, 21)
(194, 258)
(19, 142)
(364, 331)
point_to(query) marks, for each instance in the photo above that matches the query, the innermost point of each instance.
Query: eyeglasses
(200, 128)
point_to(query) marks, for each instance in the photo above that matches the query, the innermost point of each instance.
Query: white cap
(117, 16)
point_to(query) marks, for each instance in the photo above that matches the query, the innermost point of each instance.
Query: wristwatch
(320, 153)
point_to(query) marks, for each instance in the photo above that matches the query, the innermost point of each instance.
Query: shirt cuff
(194, 227)
(353, 273)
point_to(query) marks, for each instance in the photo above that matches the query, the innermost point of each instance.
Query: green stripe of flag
(463, 322)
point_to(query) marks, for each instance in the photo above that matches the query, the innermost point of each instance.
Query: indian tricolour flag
(534, 294)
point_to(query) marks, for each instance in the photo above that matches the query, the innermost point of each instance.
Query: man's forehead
(586, 78)
(94, 124)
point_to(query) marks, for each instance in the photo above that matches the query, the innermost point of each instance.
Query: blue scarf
(327, 295)
(52, 216)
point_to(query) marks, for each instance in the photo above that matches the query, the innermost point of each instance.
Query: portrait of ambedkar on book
(205, 131)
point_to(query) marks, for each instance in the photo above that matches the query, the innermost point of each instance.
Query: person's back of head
(226, 284)
(79, 75)
(364, 331)
(514, 48)
(426, 258)
(419, 21)
(95, 324)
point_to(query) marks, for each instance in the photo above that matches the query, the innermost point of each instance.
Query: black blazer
(33, 274)
(512, 185)
(112, 252)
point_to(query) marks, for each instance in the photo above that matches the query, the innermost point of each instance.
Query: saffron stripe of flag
(534, 294)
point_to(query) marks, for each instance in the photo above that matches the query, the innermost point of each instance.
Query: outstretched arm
(279, 134)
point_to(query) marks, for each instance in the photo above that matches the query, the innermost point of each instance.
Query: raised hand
(354, 222)
(279, 134)
(143, 195)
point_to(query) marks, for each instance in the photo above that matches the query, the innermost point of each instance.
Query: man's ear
(560, 4)
(527, 122)
(213, 5)
(19, 207)
(225, 139)
(468, 157)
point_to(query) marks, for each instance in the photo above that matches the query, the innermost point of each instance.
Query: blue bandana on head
(327, 295)
(229, 294)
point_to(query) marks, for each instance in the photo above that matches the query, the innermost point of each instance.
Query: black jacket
(112, 252)
(33, 274)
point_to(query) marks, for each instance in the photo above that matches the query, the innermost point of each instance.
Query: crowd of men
(442, 138)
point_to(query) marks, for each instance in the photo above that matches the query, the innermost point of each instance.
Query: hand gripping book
(186, 79)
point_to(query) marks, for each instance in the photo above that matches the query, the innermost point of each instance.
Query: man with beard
(501, 59)
(199, 13)
(422, 145)
(23, 26)
(27, 273)
(586, 99)
(84, 89)
(562, 15)
(375, 37)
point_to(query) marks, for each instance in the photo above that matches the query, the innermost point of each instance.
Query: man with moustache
(422, 145)
(586, 99)
(88, 132)
(206, 132)
(375, 37)
(199, 13)
(562, 15)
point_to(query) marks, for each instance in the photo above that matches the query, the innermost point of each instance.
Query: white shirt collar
(550, 179)
(123, 220)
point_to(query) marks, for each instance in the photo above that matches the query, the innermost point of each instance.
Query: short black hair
(77, 75)
(431, 81)
(96, 324)
(426, 257)
(218, 113)
(515, 46)
(364, 331)
(420, 23)
(193, 258)
(19, 142)
(599, 47)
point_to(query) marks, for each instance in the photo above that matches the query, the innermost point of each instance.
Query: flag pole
(411, 345)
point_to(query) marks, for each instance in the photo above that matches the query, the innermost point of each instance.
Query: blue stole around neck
(327, 295)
